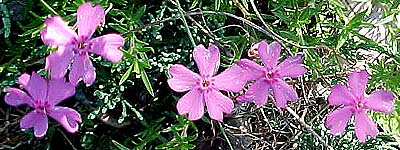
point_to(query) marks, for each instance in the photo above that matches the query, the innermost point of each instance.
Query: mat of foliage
(130, 105)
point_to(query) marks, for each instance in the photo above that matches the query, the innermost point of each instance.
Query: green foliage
(130, 105)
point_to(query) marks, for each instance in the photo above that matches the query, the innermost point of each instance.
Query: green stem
(185, 23)
(49, 7)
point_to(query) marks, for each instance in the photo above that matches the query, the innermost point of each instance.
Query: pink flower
(204, 88)
(355, 102)
(270, 77)
(43, 97)
(75, 47)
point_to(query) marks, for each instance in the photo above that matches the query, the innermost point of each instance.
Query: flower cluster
(43, 95)
(204, 88)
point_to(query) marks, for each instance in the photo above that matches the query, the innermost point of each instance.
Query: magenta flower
(75, 47)
(355, 102)
(43, 96)
(270, 77)
(204, 88)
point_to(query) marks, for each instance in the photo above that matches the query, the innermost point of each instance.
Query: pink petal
(82, 68)
(88, 19)
(217, 104)
(258, 92)
(340, 95)
(230, 80)
(37, 87)
(253, 71)
(15, 97)
(269, 54)
(24, 79)
(192, 103)
(37, 120)
(358, 82)
(364, 126)
(337, 120)
(67, 117)
(381, 101)
(182, 79)
(292, 67)
(59, 90)
(108, 46)
(206, 59)
(58, 62)
(283, 93)
(57, 32)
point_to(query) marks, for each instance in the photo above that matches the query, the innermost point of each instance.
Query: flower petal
(24, 79)
(67, 117)
(206, 59)
(337, 120)
(182, 79)
(381, 101)
(292, 67)
(59, 90)
(340, 95)
(37, 120)
(269, 54)
(192, 103)
(57, 32)
(364, 126)
(108, 46)
(58, 62)
(16, 97)
(217, 104)
(358, 82)
(253, 70)
(37, 87)
(82, 68)
(88, 19)
(230, 80)
(258, 92)
(282, 93)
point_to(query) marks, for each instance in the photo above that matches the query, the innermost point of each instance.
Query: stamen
(205, 83)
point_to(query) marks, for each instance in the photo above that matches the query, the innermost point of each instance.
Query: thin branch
(308, 127)
(273, 34)
(70, 143)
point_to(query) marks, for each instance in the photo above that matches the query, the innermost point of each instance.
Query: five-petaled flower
(75, 47)
(270, 77)
(204, 88)
(43, 95)
(355, 102)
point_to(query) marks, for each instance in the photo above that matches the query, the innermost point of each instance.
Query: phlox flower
(270, 76)
(356, 102)
(76, 46)
(43, 96)
(204, 87)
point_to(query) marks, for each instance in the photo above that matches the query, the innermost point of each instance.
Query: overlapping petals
(204, 88)
(270, 77)
(43, 95)
(76, 46)
(192, 103)
(354, 103)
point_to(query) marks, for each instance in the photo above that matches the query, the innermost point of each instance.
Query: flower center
(41, 105)
(81, 45)
(359, 105)
(269, 75)
(205, 83)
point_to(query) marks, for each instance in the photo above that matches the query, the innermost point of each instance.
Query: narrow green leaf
(146, 81)
(119, 146)
(126, 75)
(337, 3)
